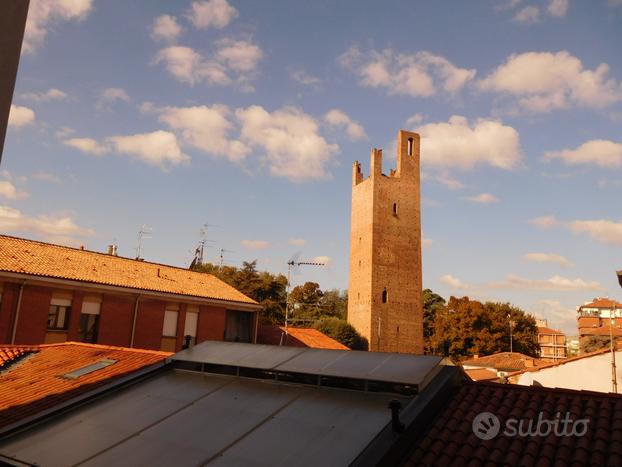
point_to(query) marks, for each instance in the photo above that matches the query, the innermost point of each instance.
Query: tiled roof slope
(509, 361)
(10, 354)
(602, 303)
(36, 383)
(46, 260)
(543, 330)
(600, 331)
(298, 337)
(449, 439)
(482, 374)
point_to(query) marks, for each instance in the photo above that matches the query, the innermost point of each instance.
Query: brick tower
(384, 294)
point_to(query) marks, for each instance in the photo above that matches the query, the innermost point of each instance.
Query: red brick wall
(181, 321)
(33, 315)
(588, 321)
(149, 324)
(74, 316)
(7, 311)
(211, 324)
(115, 320)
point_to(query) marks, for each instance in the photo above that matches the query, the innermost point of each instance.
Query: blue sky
(248, 115)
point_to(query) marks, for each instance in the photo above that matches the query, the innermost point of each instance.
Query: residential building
(222, 403)
(552, 342)
(38, 378)
(498, 365)
(587, 372)
(51, 293)
(385, 293)
(599, 313)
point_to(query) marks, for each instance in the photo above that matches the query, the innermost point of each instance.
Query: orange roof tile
(37, 383)
(600, 331)
(298, 337)
(481, 374)
(602, 303)
(30, 257)
(504, 361)
(10, 354)
(543, 330)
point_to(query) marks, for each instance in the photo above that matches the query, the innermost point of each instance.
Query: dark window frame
(53, 313)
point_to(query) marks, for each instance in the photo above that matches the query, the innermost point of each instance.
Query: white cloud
(301, 76)
(111, 95)
(327, 261)
(255, 244)
(43, 14)
(604, 231)
(559, 315)
(558, 8)
(87, 145)
(558, 283)
(20, 116)
(159, 148)
(528, 15)
(444, 178)
(463, 145)
(240, 56)
(45, 177)
(548, 258)
(211, 13)
(297, 241)
(232, 62)
(340, 120)
(293, 146)
(599, 152)
(454, 282)
(544, 81)
(9, 191)
(64, 132)
(544, 222)
(13, 220)
(165, 28)
(420, 75)
(206, 128)
(414, 120)
(483, 198)
(51, 94)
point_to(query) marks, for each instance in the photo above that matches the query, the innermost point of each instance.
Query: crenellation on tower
(357, 174)
(385, 290)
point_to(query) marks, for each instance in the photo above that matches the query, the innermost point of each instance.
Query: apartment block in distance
(51, 293)
(552, 341)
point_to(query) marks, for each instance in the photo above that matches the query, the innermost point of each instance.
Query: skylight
(85, 370)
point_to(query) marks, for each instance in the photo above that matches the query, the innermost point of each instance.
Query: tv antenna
(222, 256)
(199, 252)
(290, 264)
(143, 233)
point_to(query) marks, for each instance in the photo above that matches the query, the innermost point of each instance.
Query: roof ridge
(106, 347)
(521, 387)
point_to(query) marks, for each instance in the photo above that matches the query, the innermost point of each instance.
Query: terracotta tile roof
(19, 255)
(481, 374)
(449, 438)
(602, 303)
(600, 331)
(37, 383)
(505, 361)
(298, 337)
(543, 330)
(11, 354)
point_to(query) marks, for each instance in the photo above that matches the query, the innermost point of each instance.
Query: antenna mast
(143, 233)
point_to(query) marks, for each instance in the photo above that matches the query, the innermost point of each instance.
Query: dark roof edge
(390, 448)
(116, 384)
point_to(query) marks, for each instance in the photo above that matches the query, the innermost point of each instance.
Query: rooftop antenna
(199, 252)
(222, 256)
(143, 233)
(290, 264)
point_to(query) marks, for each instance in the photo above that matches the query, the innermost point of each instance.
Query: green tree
(432, 302)
(343, 332)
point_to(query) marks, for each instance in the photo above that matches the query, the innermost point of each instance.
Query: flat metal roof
(414, 370)
(186, 418)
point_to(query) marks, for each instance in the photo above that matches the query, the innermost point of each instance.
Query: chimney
(82, 247)
(112, 250)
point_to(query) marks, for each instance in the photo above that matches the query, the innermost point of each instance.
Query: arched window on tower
(410, 146)
(385, 296)
(395, 209)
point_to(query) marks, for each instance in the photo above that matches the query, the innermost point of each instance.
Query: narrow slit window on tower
(385, 296)
(410, 146)
(395, 209)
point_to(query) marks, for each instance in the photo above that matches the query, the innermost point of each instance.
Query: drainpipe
(134, 321)
(19, 305)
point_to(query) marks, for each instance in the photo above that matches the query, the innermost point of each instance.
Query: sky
(247, 116)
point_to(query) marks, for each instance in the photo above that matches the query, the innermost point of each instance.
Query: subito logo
(486, 425)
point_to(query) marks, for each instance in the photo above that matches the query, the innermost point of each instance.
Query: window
(58, 314)
(170, 323)
(89, 320)
(395, 209)
(190, 326)
(410, 146)
(238, 326)
(385, 296)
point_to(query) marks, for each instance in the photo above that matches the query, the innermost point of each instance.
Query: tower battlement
(385, 290)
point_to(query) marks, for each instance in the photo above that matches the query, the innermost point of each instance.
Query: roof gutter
(17, 309)
(242, 306)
